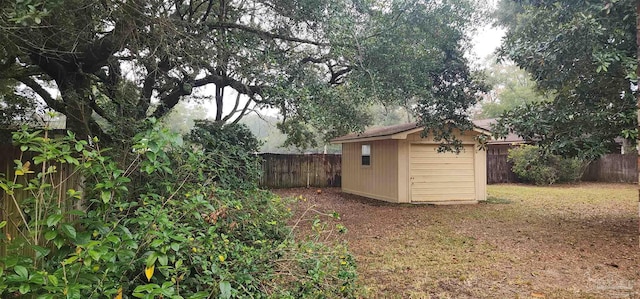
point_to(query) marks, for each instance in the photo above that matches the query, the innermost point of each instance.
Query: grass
(567, 241)
(496, 200)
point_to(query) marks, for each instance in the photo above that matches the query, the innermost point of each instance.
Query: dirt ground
(576, 241)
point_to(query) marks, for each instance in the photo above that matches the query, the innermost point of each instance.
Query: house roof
(487, 123)
(389, 132)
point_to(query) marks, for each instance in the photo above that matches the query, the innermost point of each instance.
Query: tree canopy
(107, 65)
(512, 87)
(584, 53)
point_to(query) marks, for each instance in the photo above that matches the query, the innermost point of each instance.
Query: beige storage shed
(396, 164)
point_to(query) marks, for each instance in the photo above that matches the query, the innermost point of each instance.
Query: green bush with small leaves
(229, 154)
(159, 227)
(532, 164)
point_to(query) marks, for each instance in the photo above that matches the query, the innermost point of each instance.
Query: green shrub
(533, 165)
(230, 153)
(570, 169)
(155, 228)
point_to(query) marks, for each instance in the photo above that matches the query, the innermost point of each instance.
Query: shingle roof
(378, 132)
(385, 131)
(484, 124)
(487, 123)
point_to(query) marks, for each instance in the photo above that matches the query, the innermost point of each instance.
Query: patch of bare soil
(578, 241)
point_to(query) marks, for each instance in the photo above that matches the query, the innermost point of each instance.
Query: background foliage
(584, 53)
(511, 87)
(532, 164)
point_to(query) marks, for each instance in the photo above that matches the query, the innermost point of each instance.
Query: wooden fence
(61, 181)
(286, 171)
(498, 168)
(611, 168)
(614, 168)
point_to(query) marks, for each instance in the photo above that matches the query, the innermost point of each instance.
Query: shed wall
(441, 177)
(378, 180)
(479, 161)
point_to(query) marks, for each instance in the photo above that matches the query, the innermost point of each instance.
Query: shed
(396, 164)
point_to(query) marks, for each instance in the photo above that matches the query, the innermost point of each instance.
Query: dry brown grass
(571, 241)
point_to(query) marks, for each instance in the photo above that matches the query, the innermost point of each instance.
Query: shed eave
(482, 131)
(358, 139)
(396, 136)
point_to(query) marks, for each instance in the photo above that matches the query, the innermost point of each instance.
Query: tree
(317, 61)
(584, 52)
(511, 87)
(422, 61)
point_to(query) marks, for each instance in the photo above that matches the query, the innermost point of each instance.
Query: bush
(230, 154)
(531, 164)
(155, 228)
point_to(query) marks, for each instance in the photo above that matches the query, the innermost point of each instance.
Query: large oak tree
(106, 65)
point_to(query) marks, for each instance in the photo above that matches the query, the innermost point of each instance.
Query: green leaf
(156, 243)
(37, 279)
(152, 258)
(113, 239)
(21, 271)
(58, 242)
(24, 288)
(40, 251)
(70, 260)
(3, 224)
(199, 295)
(225, 290)
(95, 255)
(105, 196)
(71, 160)
(53, 280)
(52, 220)
(163, 259)
(146, 288)
(68, 230)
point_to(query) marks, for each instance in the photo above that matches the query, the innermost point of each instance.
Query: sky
(487, 40)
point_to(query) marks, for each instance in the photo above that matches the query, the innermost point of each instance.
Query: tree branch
(266, 34)
(45, 95)
(207, 12)
(336, 77)
(243, 112)
(99, 110)
(169, 101)
(147, 92)
(224, 81)
(235, 106)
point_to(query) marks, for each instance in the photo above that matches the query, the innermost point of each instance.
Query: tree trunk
(638, 97)
(75, 90)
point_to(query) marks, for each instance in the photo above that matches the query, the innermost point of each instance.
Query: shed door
(441, 176)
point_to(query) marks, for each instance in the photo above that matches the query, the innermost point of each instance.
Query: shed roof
(390, 132)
